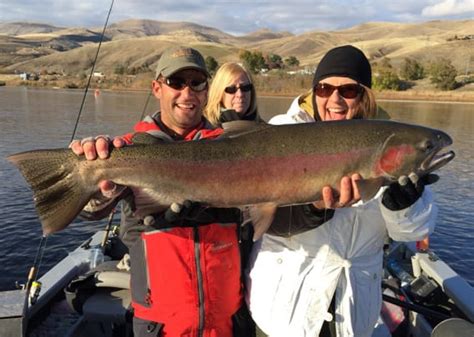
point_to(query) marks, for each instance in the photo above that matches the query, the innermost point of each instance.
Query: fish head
(413, 149)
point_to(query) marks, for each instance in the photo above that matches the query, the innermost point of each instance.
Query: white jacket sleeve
(412, 223)
(294, 115)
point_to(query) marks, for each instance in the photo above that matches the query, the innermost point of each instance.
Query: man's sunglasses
(350, 90)
(232, 89)
(178, 83)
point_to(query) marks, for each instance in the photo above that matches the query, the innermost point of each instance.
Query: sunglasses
(232, 89)
(178, 83)
(351, 90)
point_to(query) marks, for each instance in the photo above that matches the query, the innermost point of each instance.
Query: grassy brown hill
(261, 35)
(396, 41)
(126, 39)
(20, 28)
(141, 28)
(138, 44)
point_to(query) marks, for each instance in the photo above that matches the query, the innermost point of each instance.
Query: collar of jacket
(203, 125)
(305, 102)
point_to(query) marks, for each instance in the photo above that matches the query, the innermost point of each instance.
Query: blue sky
(238, 17)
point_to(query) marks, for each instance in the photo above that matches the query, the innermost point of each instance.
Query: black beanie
(346, 61)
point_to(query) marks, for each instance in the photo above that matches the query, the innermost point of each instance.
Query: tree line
(441, 72)
(256, 62)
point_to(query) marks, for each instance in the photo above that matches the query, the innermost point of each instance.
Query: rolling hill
(34, 47)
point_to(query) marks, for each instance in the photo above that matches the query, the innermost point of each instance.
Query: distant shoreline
(464, 96)
(423, 101)
(409, 96)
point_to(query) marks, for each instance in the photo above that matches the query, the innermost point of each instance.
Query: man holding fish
(185, 261)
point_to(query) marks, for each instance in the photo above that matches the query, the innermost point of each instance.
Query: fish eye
(427, 146)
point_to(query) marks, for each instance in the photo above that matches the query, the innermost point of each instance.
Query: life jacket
(185, 281)
(153, 126)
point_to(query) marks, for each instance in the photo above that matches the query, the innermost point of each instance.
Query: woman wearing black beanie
(318, 269)
(350, 65)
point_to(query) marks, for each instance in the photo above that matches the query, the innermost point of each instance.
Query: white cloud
(236, 16)
(449, 8)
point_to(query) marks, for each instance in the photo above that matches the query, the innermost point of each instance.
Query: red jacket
(187, 279)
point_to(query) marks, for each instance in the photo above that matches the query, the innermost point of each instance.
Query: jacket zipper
(197, 257)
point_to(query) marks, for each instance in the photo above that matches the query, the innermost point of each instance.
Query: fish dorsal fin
(237, 128)
(368, 188)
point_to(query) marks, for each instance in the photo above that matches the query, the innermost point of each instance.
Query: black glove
(191, 213)
(229, 115)
(406, 191)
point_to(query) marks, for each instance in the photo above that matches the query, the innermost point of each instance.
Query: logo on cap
(183, 52)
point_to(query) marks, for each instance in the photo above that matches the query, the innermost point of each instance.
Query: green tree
(211, 64)
(412, 70)
(119, 69)
(253, 61)
(443, 74)
(274, 61)
(385, 77)
(292, 61)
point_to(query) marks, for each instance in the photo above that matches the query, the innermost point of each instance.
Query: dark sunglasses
(350, 90)
(232, 89)
(178, 83)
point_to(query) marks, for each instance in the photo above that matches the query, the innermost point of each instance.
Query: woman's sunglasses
(178, 83)
(350, 90)
(232, 89)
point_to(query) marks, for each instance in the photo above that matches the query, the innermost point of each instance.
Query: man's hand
(96, 147)
(93, 147)
(348, 194)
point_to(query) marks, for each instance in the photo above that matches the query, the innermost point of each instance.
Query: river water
(45, 118)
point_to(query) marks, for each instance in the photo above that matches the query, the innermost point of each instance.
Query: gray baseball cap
(179, 58)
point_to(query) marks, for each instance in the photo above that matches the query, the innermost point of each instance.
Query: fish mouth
(436, 161)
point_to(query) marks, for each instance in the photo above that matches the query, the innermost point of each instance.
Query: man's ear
(156, 88)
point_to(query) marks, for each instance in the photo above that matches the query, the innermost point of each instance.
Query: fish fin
(368, 188)
(147, 201)
(262, 217)
(58, 191)
(237, 128)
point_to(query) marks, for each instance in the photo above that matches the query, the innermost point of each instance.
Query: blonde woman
(231, 95)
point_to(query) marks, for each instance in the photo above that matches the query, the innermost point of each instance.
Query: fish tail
(58, 192)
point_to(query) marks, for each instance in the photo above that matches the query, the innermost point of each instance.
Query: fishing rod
(146, 104)
(416, 308)
(32, 281)
(92, 72)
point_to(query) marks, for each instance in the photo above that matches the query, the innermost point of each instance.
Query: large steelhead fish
(266, 165)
